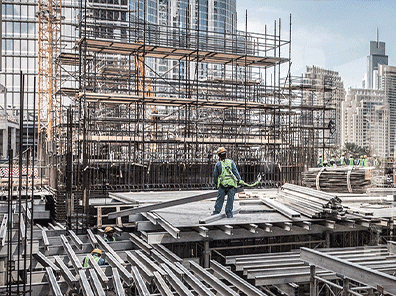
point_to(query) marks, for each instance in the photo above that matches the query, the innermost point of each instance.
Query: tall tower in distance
(377, 56)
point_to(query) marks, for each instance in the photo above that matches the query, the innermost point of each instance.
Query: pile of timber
(310, 202)
(338, 179)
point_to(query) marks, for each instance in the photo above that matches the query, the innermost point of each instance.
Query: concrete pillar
(206, 254)
(328, 241)
(312, 280)
(5, 143)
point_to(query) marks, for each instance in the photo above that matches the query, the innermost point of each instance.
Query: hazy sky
(334, 34)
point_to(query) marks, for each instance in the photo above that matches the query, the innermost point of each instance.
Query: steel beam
(145, 271)
(84, 283)
(288, 277)
(250, 227)
(140, 285)
(3, 229)
(65, 271)
(56, 291)
(140, 243)
(118, 288)
(159, 258)
(173, 231)
(203, 231)
(167, 253)
(44, 261)
(196, 284)
(70, 253)
(105, 246)
(22, 227)
(163, 205)
(235, 280)
(282, 208)
(180, 288)
(96, 284)
(227, 229)
(92, 238)
(149, 263)
(125, 274)
(368, 276)
(213, 281)
(161, 285)
(76, 240)
(102, 276)
(45, 238)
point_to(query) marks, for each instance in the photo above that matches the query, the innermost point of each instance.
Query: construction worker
(226, 178)
(365, 161)
(320, 161)
(343, 159)
(325, 164)
(361, 160)
(376, 161)
(351, 161)
(108, 236)
(332, 162)
(96, 254)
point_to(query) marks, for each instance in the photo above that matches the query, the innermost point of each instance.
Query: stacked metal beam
(132, 267)
(311, 203)
(372, 266)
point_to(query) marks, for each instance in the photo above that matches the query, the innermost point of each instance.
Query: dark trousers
(221, 193)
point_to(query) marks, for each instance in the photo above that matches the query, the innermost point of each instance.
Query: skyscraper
(387, 78)
(365, 120)
(377, 57)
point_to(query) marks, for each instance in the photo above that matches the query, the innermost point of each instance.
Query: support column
(345, 287)
(312, 280)
(327, 234)
(5, 143)
(206, 254)
(13, 139)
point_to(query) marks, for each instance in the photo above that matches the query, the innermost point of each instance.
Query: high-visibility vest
(226, 177)
(365, 162)
(351, 162)
(107, 239)
(86, 260)
(320, 162)
(343, 160)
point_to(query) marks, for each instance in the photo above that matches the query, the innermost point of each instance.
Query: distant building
(387, 78)
(365, 120)
(333, 96)
(377, 57)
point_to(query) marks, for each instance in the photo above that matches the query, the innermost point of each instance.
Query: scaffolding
(135, 124)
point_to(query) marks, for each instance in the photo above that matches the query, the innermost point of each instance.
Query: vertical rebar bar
(32, 197)
(20, 167)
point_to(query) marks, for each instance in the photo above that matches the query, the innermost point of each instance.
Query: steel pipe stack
(338, 179)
